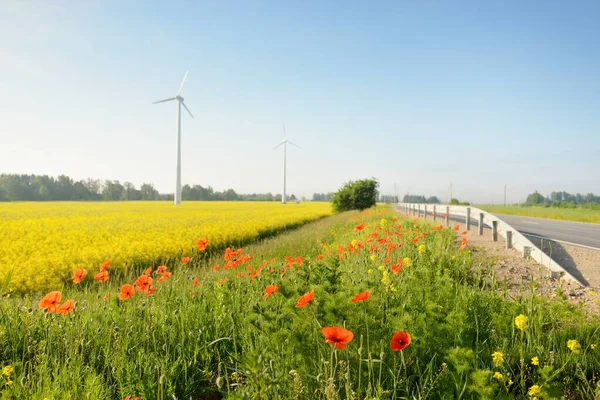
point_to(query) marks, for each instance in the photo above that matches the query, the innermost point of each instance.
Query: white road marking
(529, 222)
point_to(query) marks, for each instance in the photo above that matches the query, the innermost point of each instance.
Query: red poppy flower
(196, 282)
(164, 276)
(305, 299)
(51, 301)
(185, 260)
(102, 276)
(337, 336)
(151, 289)
(400, 341)
(457, 227)
(464, 232)
(105, 265)
(445, 215)
(396, 268)
(161, 269)
(127, 291)
(79, 274)
(216, 267)
(359, 227)
(67, 307)
(361, 296)
(270, 290)
(106, 296)
(319, 257)
(202, 244)
(148, 271)
(143, 282)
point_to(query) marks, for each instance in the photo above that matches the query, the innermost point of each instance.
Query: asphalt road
(566, 231)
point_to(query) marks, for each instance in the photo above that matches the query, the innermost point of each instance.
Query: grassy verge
(427, 325)
(567, 214)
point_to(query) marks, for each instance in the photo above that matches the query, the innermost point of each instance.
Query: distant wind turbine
(284, 143)
(179, 104)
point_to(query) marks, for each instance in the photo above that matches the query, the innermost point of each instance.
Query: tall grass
(227, 339)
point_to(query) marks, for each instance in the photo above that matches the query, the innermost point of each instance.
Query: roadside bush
(356, 195)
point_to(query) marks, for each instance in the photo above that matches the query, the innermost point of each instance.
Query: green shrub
(356, 195)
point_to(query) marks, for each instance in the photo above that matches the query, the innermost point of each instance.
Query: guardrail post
(480, 224)
(495, 231)
(425, 212)
(468, 219)
(509, 240)
(434, 215)
(526, 251)
(447, 216)
(419, 213)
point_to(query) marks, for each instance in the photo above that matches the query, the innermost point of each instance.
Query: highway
(577, 233)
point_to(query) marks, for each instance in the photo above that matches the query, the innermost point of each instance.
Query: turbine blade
(278, 145)
(293, 144)
(182, 82)
(162, 101)
(187, 109)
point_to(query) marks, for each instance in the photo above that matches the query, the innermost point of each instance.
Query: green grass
(226, 340)
(568, 214)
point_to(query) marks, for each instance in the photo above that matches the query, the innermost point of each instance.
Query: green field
(432, 323)
(568, 214)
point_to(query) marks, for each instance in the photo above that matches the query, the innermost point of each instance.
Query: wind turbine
(180, 103)
(284, 143)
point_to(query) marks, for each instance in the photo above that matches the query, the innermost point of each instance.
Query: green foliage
(356, 195)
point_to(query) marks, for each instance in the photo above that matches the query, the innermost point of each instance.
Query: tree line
(563, 200)
(14, 187)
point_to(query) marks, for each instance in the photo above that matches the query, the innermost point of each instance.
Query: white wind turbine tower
(284, 143)
(179, 104)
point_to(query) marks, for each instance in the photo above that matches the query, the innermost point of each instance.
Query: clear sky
(418, 94)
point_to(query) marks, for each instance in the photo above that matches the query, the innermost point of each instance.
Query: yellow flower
(510, 382)
(381, 268)
(422, 249)
(7, 370)
(593, 346)
(392, 288)
(498, 375)
(534, 391)
(574, 346)
(497, 358)
(592, 293)
(535, 361)
(9, 382)
(383, 223)
(354, 243)
(407, 261)
(385, 279)
(373, 257)
(370, 271)
(521, 322)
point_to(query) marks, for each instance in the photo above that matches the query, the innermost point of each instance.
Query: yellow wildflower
(521, 322)
(574, 346)
(407, 261)
(534, 391)
(422, 249)
(373, 257)
(593, 346)
(383, 223)
(354, 243)
(8, 370)
(497, 358)
(592, 293)
(381, 268)
(385, 279)
(498, 376)
(370, 271)
(535, 361)
(510, 382)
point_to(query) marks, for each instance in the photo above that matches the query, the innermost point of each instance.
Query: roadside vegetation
(355, 306)
(578, 214)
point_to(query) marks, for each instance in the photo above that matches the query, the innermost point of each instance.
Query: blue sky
(417, 94)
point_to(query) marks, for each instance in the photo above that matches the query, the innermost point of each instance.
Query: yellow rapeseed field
(41, 243)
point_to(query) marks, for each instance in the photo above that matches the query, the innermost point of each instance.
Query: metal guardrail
(514, 239)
